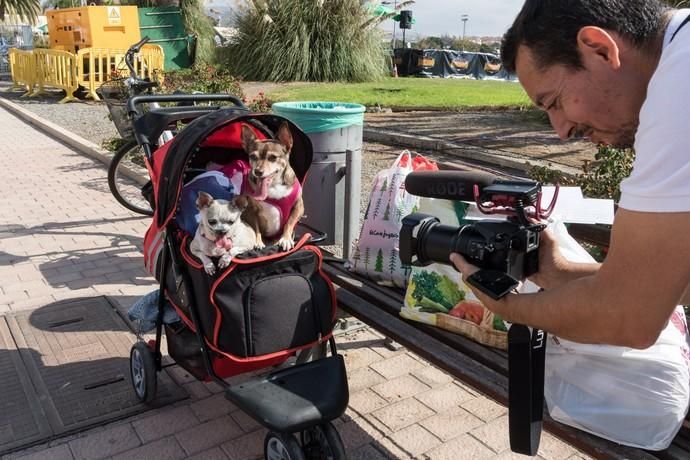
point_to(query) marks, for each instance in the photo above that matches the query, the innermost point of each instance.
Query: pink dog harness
(238, 170)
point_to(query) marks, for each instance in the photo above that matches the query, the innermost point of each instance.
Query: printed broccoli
(436, 291)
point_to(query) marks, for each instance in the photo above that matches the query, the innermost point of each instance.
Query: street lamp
(463, 18)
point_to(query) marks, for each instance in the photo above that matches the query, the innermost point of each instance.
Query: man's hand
(553, 267)
(466, 269)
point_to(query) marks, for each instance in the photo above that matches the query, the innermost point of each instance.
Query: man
(616, 72)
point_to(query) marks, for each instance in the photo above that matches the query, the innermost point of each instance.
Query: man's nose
(561, 125)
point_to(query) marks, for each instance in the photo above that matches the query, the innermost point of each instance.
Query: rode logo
(447, 189)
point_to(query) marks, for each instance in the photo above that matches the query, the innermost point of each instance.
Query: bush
(206, 79)
(306, 40)
(599, 179)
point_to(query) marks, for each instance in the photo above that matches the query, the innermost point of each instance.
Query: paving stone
(212, 407)
(415, 440)
(163, 449)
(212, 454)
(403, 413)
(510, 455)
(366, 401)
(245, 421)
(451, 424)
(209, 434)
(432, 376)
(552, 448)
(484, 408)
(445, 397)
(494, 434)
(363, 378)
(61, 452)
(367, 452)
(357, 433)
(396, 366)
(399, 388)
(164, 423)
(356, 358)
(464, 447)
(104, 443)
(247, 447)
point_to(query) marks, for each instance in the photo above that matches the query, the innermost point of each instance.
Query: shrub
(307, 40)
(205, 79)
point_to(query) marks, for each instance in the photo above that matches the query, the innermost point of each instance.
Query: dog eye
(253, 157)
(272, 158)
(212, 221)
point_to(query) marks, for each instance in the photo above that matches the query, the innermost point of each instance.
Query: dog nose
(258, 173)
(222, 231)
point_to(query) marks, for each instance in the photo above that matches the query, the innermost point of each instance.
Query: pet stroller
(266, 307)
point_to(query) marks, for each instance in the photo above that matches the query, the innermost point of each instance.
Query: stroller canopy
(221, 129)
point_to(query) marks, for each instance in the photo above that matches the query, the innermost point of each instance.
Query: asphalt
(62, 236)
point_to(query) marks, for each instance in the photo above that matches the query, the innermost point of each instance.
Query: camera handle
(526, 359)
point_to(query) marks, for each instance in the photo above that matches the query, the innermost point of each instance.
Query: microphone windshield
(448, 185)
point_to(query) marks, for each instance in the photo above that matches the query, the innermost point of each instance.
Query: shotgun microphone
(448, 185)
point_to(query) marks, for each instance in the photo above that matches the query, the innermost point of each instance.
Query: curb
(462, 151)
(74, 141)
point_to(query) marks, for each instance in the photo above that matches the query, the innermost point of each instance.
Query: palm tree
(25, 9)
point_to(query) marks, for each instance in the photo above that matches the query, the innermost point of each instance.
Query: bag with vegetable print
(376, 251)
(436, 295)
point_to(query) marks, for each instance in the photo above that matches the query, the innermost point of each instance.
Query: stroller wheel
(282, 446)
(323, 442)
(143, 370)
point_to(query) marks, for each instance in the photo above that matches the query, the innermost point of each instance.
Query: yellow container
(114, 27)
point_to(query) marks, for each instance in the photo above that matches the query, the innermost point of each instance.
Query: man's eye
(212, 221)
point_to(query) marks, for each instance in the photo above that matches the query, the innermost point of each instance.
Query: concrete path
(62, 235)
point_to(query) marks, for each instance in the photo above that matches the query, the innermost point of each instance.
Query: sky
(439, 17)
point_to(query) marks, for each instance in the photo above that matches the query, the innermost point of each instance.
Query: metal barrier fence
(13, 36)
(36, 70)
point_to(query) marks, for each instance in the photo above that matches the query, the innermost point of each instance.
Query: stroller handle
(134, 103)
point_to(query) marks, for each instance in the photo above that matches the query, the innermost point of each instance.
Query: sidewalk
(63, 236)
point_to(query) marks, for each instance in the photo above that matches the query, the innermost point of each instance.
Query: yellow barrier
(22, 67)
(90, 68)
(95, 66)
(56, 69)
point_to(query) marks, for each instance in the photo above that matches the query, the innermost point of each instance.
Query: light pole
(463, 18)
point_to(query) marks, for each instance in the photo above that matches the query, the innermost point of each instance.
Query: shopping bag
(633, 397)
(376, 252)
(436, 294)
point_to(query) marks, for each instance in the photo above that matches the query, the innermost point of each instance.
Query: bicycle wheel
(126, 191)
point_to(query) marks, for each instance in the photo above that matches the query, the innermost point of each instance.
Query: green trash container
(331, 192)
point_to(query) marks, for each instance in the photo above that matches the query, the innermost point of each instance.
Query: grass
(448, 94)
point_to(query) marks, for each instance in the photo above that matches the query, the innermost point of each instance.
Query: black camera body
(505, 250)
(508, 247)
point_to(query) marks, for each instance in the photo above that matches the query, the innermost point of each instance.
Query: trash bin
(331, 192)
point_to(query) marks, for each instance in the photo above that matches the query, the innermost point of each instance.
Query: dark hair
(549, 28)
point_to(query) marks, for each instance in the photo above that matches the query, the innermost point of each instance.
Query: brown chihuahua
(273, 184)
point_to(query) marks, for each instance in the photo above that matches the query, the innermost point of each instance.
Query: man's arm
(628, 300)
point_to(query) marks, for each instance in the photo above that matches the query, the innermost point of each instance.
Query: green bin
(164, 26)
(335, 130)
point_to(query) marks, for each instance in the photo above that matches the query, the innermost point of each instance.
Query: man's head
(587, 62)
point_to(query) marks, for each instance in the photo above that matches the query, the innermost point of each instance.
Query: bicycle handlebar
(134, 110)
(129, 55)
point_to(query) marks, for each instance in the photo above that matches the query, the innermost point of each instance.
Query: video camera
(506, 251)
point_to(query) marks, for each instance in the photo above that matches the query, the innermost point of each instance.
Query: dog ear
(203, 200)
(241, 201)
(248, 138)
(285, 136)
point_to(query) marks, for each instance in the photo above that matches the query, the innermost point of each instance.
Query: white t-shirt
(660, 180)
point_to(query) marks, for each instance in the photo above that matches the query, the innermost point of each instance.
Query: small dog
(272, 182)
(221, 232)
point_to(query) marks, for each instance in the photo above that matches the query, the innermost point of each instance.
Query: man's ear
(597, 43)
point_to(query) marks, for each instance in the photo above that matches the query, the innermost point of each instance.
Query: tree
(379, 262)
(387, 212)
(199, 25)
(25, 9)
(308, 40)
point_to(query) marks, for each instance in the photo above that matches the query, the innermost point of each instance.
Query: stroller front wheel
(143, 371)
(282, 446)
(323, 442)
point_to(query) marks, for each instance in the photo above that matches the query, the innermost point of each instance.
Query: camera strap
(526, 358)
